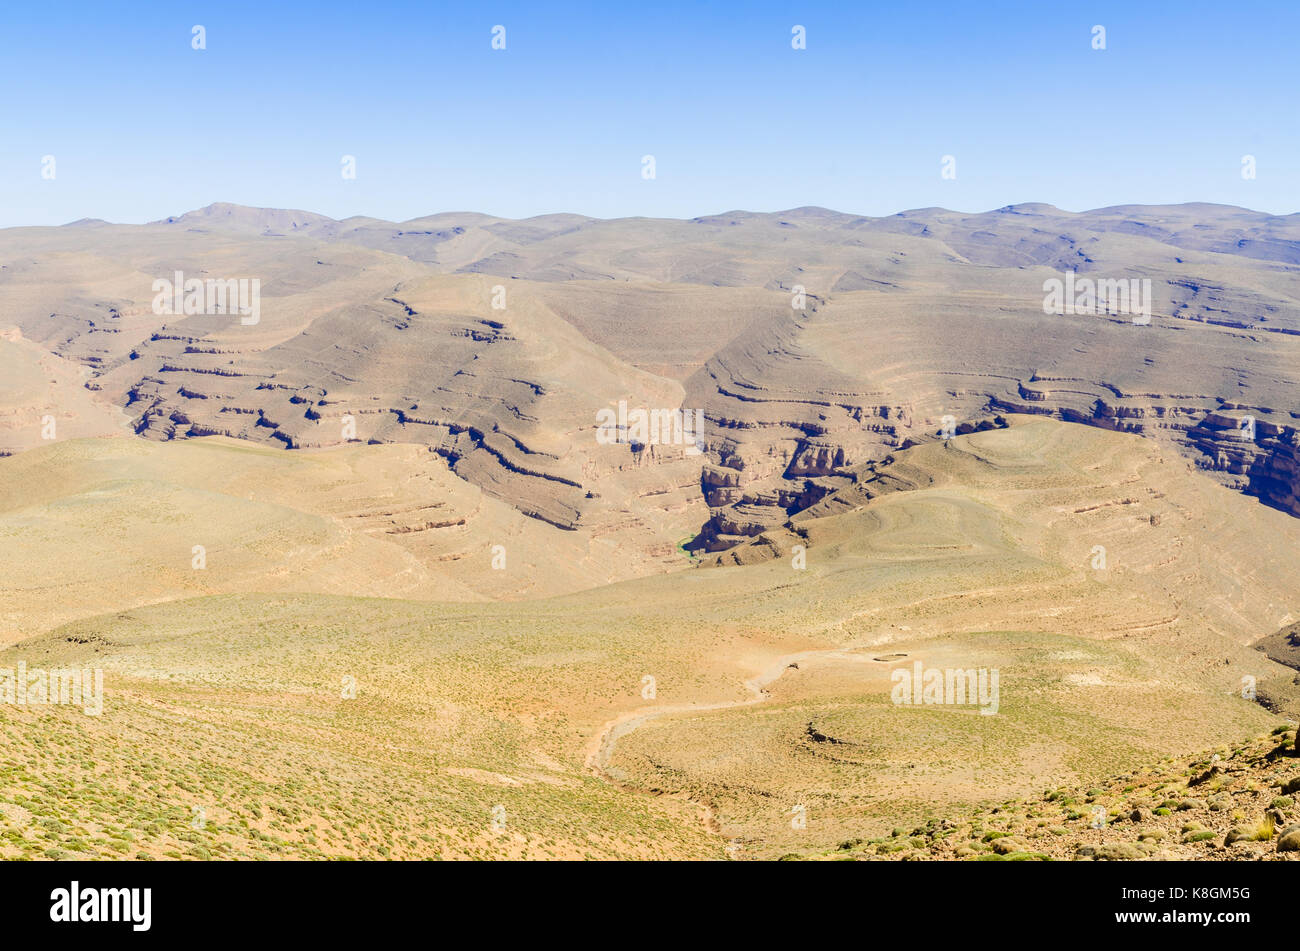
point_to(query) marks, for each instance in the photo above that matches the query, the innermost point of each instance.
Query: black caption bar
(142, 901)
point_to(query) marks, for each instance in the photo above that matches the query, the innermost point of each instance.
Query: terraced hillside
(814, 341)
(351, 346)
(91, 523)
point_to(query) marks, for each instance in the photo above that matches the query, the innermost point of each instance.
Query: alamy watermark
(950, 685)
(130, 905)
(1084, 295)
(210, 296)
(650, 427)
(66, 686)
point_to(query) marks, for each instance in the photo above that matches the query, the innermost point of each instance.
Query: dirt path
(601, 747)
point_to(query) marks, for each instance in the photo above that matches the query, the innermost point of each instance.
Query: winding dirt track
(601, 748)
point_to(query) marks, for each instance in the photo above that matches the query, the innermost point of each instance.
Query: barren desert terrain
(373, 575)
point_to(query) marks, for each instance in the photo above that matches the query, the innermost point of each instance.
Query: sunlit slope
(1235, 803)
(982, 557)
(87, 525)
(1132, 536)
(92, 524)
(349, 344)
(43, 398)
(234, 706)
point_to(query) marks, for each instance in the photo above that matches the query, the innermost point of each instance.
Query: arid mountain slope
(1117, 591)
(43, 397)
(90, 525)
(814, 341)
(771, 682)
(1237, 803)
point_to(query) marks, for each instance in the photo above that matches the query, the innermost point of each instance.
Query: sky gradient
(142, 126)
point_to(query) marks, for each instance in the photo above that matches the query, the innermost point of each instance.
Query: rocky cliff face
(767, 473)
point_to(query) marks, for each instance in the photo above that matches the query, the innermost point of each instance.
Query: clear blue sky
(142, 126)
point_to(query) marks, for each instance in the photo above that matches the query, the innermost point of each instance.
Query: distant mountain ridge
(241, 214)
